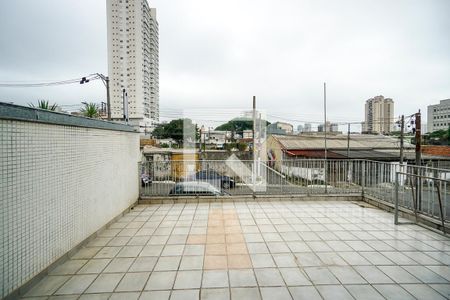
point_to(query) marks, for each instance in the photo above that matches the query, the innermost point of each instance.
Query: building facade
(133, 61)
(280, 128)
(438, 116)
(215, 137)
(334, 127)
(307, 127)
(379, 115)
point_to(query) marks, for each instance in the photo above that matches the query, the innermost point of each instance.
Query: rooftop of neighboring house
(339, 141)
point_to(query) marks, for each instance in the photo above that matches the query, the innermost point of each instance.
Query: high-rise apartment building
(438, 116)
(133, 61)
(379, 115)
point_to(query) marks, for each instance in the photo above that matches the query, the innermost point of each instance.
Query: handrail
(406, 165)
(415, 204)
(314, 159)
(423, 176)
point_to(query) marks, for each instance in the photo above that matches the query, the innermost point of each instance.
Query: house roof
(367, 154)
(339, 142)
(313, 153)
(339, 154)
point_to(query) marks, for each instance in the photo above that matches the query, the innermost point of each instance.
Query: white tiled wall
(58, 185)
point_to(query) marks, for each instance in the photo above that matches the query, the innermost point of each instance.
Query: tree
(44, 104)
(438, 137)
(177, 129)
(238, 125)
(90, 110)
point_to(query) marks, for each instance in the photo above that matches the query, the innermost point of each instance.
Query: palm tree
(44, 104)
(90, 110)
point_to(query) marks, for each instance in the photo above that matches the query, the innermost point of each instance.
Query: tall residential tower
(379, 115)
(133, 61)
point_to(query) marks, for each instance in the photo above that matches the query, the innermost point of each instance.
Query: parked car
(215, 179)
(189, 188)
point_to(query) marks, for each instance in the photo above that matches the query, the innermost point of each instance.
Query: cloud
(219, 54)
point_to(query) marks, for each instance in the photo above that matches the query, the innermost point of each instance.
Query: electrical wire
(51, 83)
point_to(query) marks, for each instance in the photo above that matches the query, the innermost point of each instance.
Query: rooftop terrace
(78, 221)
(255, 250)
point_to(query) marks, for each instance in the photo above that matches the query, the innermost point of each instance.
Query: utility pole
(418, 139)
(348, 153)
(325, 130)
(418, 161)
(254, 146)
(402, 134)
(200, 143)
(105, 80)
(253, 127)
(204, 141)
(125, 106)
(348, 140)
(209, 136)
(108, 100)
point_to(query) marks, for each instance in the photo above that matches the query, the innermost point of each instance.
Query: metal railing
(423, 195)
(288, 177)
(210, 177)
(420, 189)
(308, 175)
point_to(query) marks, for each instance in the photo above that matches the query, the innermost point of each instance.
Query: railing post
(363, 176)
(440, 204)
(281, 181)
(396, 199)
(326, 175)
(139, 178)
(414, 199)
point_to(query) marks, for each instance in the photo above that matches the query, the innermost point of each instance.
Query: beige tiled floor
(270, 250)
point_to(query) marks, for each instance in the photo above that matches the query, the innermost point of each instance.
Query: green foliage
(44, 104)
(242, 146)
(175, 130)
(438, 137)
(238, 125)
(229, 146)
(90, 110)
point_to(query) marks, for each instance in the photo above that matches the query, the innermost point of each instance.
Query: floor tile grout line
(321, 238)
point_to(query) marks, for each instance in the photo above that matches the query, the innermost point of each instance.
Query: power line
(51, 83)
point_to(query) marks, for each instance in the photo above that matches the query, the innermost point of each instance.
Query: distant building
(300, 128)
(280, 128)
(247, 134)
(334, 127)
(321, 128)
(284, 151)
(379, 115)
(439, 116)
(215, 137)
(133, 61)
(362, 146)
(307, 127)
(331, 127)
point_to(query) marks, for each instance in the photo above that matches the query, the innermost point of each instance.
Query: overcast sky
(218, 54)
